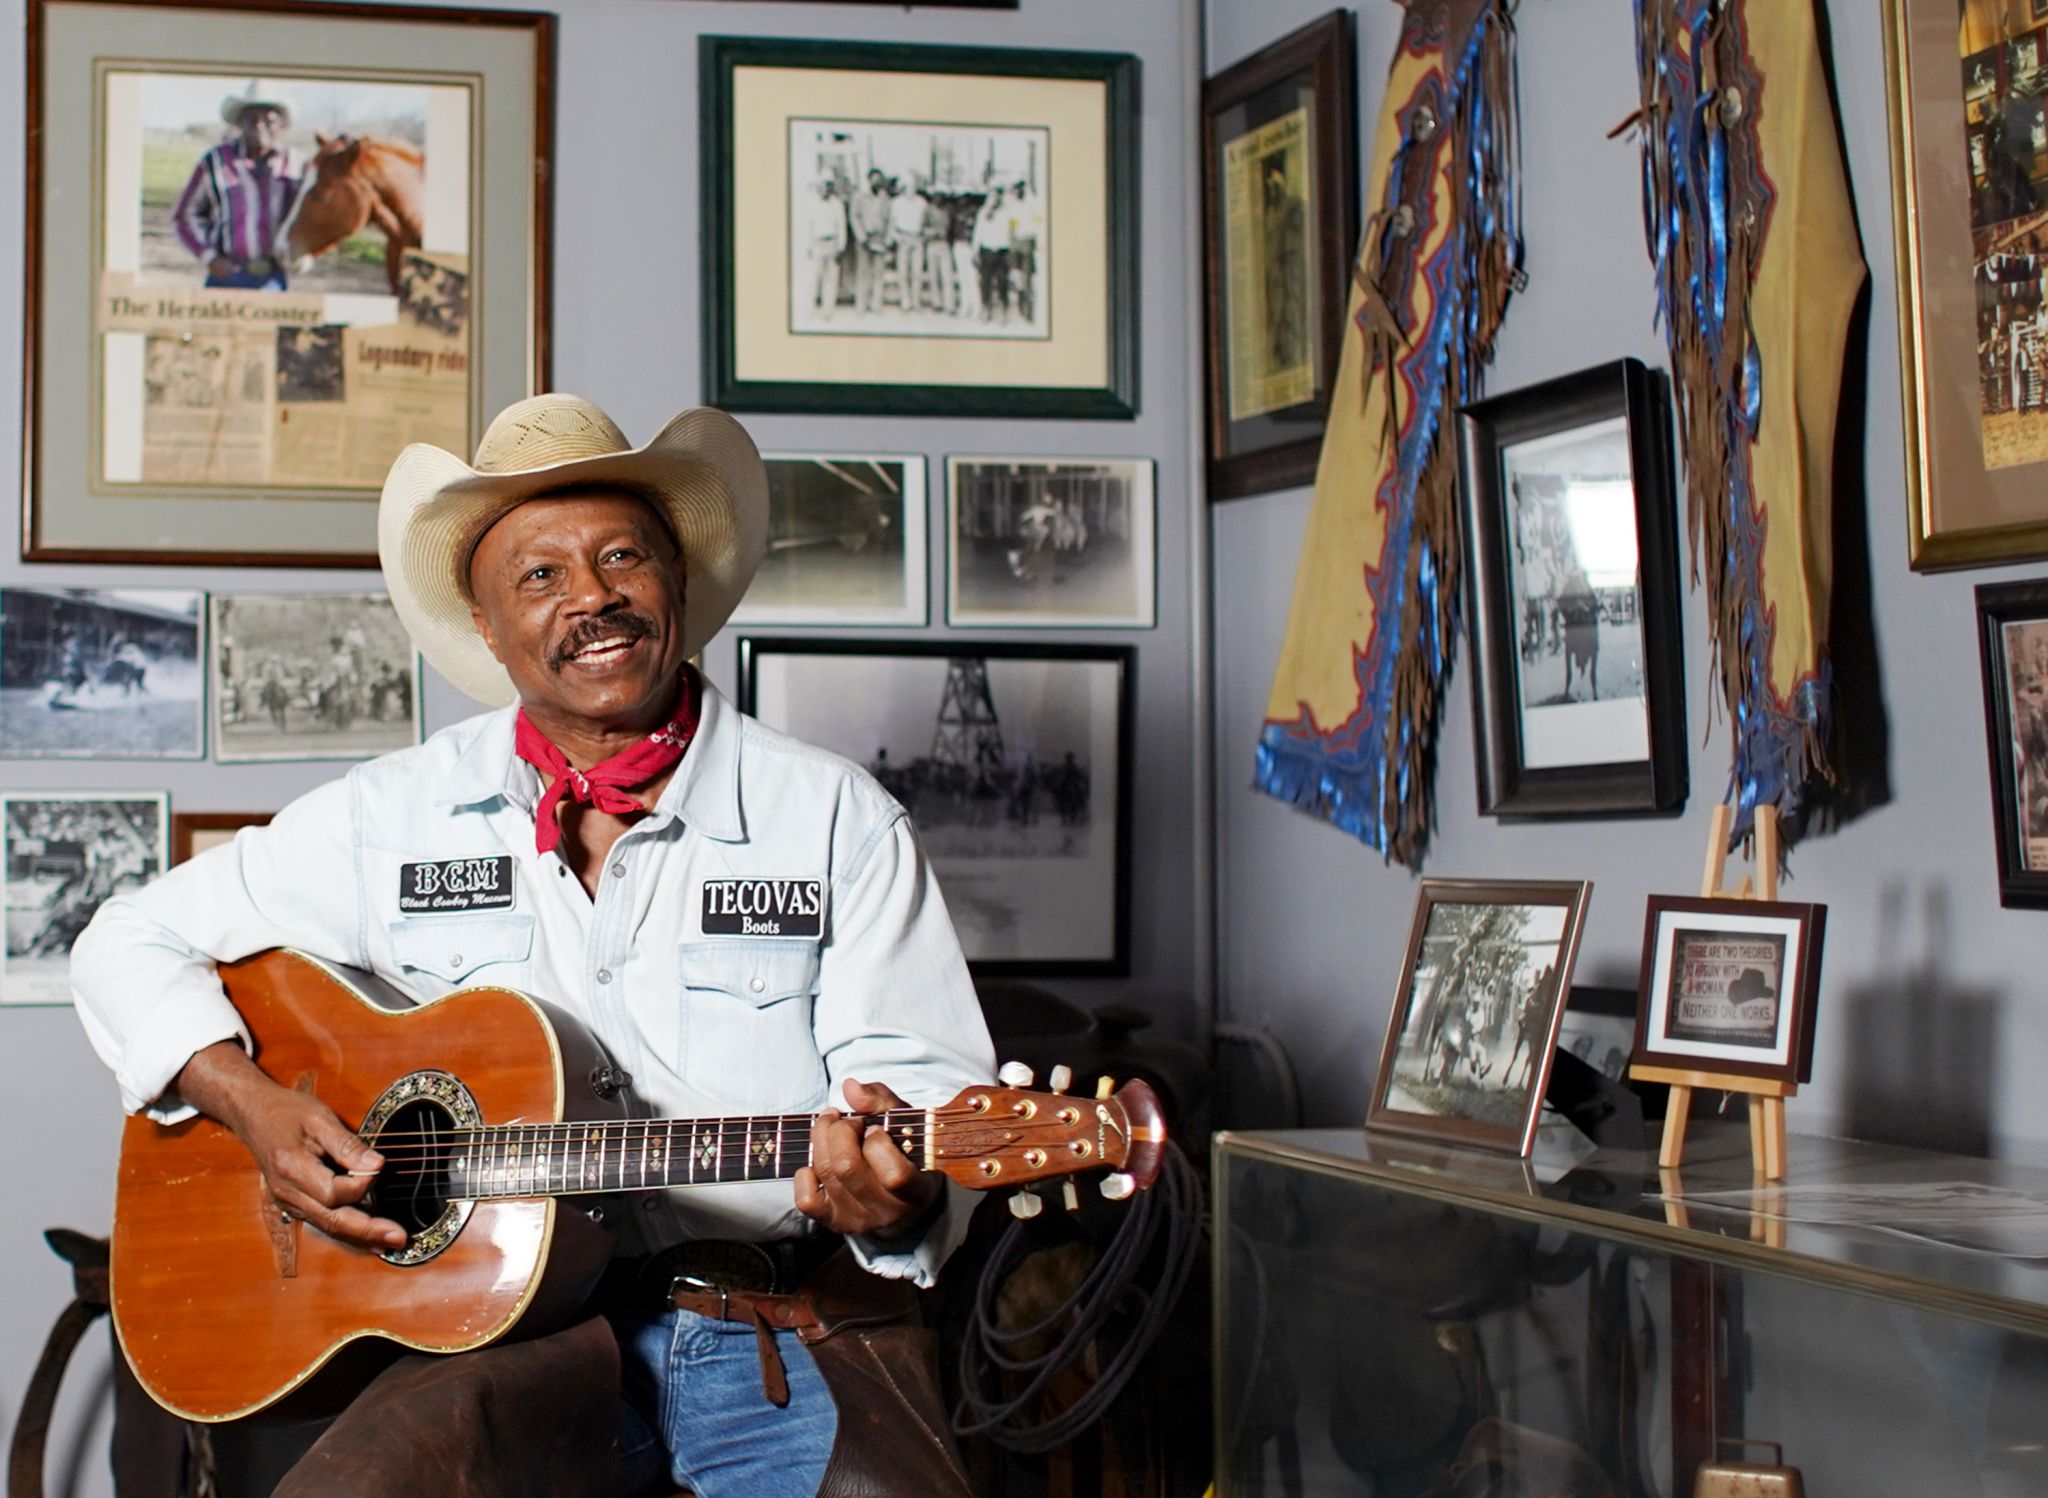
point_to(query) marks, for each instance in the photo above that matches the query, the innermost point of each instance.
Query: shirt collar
(704, 792)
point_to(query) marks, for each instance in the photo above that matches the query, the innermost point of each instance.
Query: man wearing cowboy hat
(240, 196)
(568, 579)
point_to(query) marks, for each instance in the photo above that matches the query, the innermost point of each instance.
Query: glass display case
(1395, 1318)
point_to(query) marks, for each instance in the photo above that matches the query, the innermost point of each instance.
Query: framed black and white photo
(1730, 986)
(1050, 542)
(2012, 636)
(101, 673)
(919, 230)
(312, 676)
(1279, 225)
(1476, 1014)
(66, 854)
(1577, 681)
(846, 542)
(1013, 761)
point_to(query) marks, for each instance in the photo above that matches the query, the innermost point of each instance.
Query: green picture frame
(935, 231)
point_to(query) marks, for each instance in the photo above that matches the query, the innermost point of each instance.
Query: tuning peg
(1104, 1086)
(1061, 1079)
(1117, 1185)
(1025, 1205)
(1068, 1195)
(1014, 1074)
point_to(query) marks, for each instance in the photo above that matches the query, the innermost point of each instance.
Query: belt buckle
(722, 1265)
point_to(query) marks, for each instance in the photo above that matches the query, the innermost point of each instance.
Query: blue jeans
(694, 1410)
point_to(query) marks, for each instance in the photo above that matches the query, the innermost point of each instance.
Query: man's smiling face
(580, 597)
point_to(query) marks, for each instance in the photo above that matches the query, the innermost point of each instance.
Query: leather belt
(765, 1313)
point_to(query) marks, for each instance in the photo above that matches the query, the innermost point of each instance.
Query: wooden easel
(1766, 1095)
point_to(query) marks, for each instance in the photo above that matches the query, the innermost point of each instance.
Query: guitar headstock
(989, 1138)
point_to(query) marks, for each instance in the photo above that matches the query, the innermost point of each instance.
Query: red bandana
(604, 785)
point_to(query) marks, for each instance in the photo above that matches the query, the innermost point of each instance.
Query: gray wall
(626, 335)
(1931, 1027)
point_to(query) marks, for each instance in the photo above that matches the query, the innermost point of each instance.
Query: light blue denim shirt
(707, 1023)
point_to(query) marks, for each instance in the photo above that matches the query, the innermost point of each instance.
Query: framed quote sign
(268, 246)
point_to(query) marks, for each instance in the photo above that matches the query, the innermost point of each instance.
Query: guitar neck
(576, 1159)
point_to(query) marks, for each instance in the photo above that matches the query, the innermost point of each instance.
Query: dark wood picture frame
(535, 259)
(184, 824)
(1116, 963)
(1114, 398)
(1527, 1040)
(1734, 920)
(1278, 449)
(1509, 786)
(2016, 734)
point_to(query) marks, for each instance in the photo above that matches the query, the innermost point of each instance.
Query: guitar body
(223, 1308)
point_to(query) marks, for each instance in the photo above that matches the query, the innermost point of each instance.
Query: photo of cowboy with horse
(312, 676)
(305, 185)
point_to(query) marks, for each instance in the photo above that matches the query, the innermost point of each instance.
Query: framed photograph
(196, 832)
(1578, 672)
(268, 246)
(1013, 761)
(66, 854)
(1475, 1018)
(1279, 229)
(102, 673)
(846, 542)
(1970, 216)
(312, 676)
(928, 230)
(1047, 543)
(2012, 634)
(1730, 986)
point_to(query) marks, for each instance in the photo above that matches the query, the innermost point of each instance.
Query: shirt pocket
(442, 952)
(745, 1022)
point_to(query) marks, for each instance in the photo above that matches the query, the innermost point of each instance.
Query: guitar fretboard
(570, 1159)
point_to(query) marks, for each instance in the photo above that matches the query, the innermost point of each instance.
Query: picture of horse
(312, 676)
(65, 855)
(1043, 541)
(333, 208)
(101, 673)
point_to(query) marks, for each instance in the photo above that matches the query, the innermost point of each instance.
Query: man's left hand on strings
(859, 1181)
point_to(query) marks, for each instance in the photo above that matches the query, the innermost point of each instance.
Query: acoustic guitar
(499, 1117)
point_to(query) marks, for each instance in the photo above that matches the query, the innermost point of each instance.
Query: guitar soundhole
(419, 1125)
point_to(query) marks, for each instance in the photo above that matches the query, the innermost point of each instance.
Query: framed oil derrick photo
(268, 246)
(1014, 762)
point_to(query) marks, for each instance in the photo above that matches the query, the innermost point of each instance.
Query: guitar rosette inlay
(416, 1125)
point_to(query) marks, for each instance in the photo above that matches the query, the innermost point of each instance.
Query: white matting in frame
(847, 541)
(1047, 542)
(65, 853)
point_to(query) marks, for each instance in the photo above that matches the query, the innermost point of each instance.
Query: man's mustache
(587, 632)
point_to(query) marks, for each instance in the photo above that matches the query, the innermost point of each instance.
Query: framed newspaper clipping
(935, 231)
(1279, 227)
(268, 245)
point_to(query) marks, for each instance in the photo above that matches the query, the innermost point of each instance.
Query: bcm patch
(764, 907)
(456, 884)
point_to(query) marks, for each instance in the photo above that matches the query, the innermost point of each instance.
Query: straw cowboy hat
(700, 471)
(258, 95)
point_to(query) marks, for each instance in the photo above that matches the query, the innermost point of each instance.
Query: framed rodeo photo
(943, 231)
(268, 245)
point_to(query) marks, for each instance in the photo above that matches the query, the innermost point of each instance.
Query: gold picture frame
(229, 335)
(1970, 184)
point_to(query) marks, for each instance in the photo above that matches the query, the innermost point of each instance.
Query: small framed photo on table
(1476, 1014)
(1014, 762)
(2012, 634)
(1279, 227)
(267, 246)
(931, 231)
(1730, 986)
(1577, 680)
